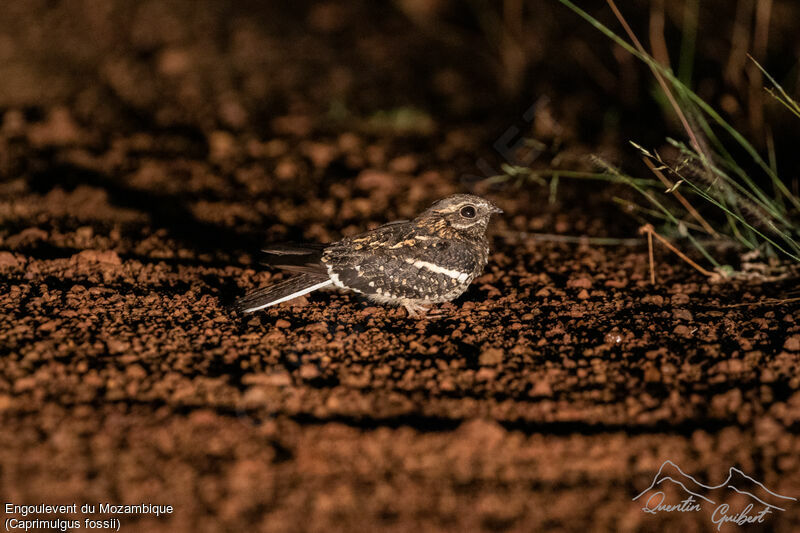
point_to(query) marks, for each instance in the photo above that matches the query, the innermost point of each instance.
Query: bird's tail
(281, 292)
(305, 258)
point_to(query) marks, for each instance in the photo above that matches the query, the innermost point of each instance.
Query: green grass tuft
(707, 174)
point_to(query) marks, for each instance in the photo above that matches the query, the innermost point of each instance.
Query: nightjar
(413, 263)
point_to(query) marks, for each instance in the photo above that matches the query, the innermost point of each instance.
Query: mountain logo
(755, 501)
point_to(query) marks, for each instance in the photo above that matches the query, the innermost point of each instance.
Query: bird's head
(464, 212)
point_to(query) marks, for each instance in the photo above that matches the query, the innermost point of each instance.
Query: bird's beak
(494, 209)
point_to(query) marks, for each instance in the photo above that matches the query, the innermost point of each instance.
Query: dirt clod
(491, 356)
(7, 259)
(793, 343)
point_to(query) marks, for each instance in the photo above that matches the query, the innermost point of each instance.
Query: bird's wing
(292, 248)
(375, 241)
(397, 262)
(307, 257)
(396, 222)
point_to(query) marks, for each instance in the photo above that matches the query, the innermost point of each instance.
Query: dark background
(147, 150)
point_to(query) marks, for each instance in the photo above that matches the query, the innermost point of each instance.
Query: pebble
(793, 343)
(7, 259)
(491, 356)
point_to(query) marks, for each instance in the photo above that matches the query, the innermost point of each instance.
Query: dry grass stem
(648, 228)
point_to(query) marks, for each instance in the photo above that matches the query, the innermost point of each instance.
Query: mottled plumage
(430, 259)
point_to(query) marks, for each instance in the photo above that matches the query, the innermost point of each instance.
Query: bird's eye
(468, 211)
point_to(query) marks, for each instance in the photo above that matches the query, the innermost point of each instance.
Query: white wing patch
(455, 274)
(335, 278)
(338, 282)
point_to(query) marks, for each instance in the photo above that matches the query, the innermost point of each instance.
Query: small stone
(491, 290)
(447, 385)
(136, 372)
(5, 402)
(680, 299)
(485, 374)
(793, 343)
(27, 237)
(275, 379)
(320, 154)
(406, 164)
(116, 346)
(7, 259)
(580, 283)
(282, 323)
(655, 354)
(583, 295)
(491, 356)
(682, 330)
(96, 256)
(286, 169)
(222, 145)
(309, 372)
(84, 233)
(652, 375)
(487, 433)
(541, 389)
